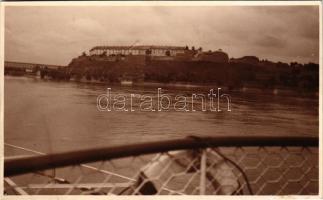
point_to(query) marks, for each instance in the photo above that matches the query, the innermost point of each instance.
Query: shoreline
(180, 85)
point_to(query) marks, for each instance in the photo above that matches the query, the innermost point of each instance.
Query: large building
(251, 60)
(138, 50)
(214, 56)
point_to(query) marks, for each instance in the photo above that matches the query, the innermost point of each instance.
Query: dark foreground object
(25, 165)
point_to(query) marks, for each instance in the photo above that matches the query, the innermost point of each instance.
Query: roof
(247, 58)
(142, 47)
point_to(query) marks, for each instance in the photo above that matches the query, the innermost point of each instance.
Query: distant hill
(234, 73)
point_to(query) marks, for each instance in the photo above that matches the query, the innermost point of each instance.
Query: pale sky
(54, 35)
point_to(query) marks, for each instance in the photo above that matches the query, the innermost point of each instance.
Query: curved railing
(246, 159)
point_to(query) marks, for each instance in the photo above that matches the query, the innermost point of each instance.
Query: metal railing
(221, 165)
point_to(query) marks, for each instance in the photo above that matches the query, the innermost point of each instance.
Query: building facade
(138, 50)
(251, 60)
(214, 56)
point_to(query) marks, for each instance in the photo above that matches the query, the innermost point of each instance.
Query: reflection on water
(58, 116)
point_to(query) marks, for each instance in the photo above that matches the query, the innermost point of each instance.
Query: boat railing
(193, 165)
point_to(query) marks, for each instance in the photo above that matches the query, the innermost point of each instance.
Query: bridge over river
(21, 68)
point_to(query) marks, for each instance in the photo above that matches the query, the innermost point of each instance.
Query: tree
(104, 53)
(148, 51)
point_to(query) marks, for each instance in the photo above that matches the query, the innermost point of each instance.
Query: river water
(51, 116)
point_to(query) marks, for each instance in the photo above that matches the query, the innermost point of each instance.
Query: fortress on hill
(176, 64)
(161, 53)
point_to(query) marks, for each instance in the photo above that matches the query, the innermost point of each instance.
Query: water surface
(53, 116)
